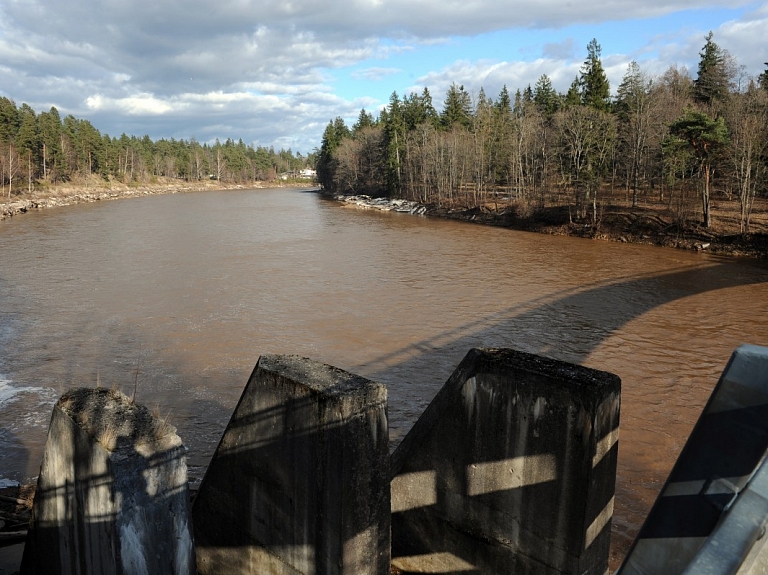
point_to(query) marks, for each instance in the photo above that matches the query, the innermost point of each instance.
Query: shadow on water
(577, 321)
(582, 320)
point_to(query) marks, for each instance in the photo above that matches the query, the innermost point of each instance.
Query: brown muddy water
(180, 294)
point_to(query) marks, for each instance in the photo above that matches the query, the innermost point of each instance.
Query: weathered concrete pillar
(300, 480)
(511, 469)
(112, 495)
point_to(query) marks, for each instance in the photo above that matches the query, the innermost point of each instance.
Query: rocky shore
(636, 225)
(78, 193)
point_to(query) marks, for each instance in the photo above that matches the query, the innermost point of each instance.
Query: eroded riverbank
(641, 225)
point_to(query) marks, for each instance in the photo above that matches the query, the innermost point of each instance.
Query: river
(174, 298)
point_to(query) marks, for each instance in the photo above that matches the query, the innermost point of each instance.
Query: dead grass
(654, 221)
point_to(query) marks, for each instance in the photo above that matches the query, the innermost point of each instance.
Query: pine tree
(394, 143)
(503, 105)
(417, 109)
(333, 135)
(429, 108)
(712, 84)
(502, 136)
(763, 78)
(595, 89)
(364, 120)
(703, 136)
(50, 134)
(528, 94)
(28, 137)
(573, 95)
(545, 96)
(9, 120)
(457, 109)
(517, 106)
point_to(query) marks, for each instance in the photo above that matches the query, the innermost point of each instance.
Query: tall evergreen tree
(334, 133)
(595, 89)
(457, 109)
(763, 78)
(417, 108)
(501, 150)
(528, 94)
(545, 96)
(503, 105)
(28, 137)
(429, 108)
(394, 142)
(9, 120)
(573, 95)
(704, 136)
(712, 85)
(50, 134)
(364, 120)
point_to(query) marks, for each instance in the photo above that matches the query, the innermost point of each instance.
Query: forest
(672, 140)
(38, 149)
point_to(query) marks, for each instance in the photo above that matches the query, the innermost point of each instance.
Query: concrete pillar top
(320, 377)
(114, 420)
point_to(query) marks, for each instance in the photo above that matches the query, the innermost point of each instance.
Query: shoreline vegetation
(645, 224)
(673, 159)
(640, 225)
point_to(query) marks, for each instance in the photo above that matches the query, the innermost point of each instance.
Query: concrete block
(511, 469)
(112, 494)
(300, 480)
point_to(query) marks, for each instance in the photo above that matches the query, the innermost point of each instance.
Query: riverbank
(649, 224)
(95, 190)
(642, 225)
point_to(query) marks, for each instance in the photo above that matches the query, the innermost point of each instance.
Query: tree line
(670, 138)
(44, 148)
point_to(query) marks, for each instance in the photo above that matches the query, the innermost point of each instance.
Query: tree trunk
(705, 195)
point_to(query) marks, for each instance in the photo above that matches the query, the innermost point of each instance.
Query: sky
(275, 72)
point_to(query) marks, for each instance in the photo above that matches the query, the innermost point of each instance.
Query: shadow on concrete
(112, 495)
(510, 469)
(300, 480)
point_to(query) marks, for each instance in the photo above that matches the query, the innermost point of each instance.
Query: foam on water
(8, 392)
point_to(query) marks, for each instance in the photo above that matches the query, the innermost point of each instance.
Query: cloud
(745, 40)
(263, 70)
(375, 74)
(565, 50)
(142, 104)
(493, 76)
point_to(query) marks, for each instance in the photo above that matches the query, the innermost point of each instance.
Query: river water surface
(177, 296)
